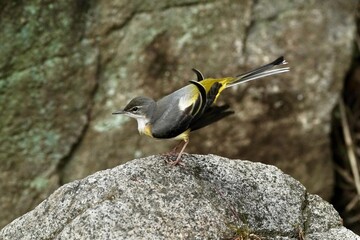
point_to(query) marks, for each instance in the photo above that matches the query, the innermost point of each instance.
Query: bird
(191, 107)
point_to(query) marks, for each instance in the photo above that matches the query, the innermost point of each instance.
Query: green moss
(39, 184)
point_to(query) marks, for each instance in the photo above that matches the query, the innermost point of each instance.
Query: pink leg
(173, 152)
(178, 159)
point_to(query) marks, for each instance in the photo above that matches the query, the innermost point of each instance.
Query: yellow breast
(147, 130)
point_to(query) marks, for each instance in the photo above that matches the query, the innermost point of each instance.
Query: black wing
(211, 115)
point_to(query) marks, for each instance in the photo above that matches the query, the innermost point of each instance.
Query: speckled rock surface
(209, 198)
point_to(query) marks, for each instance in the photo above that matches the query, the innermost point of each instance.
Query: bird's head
(142, 109)
(139, 108)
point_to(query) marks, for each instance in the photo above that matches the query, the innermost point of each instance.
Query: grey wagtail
(191, 107)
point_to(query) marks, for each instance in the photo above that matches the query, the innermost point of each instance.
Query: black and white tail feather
(263, 71)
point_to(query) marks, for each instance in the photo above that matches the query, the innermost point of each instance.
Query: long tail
(263, 71)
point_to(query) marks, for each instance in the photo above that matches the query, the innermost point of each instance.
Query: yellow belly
(183, 136)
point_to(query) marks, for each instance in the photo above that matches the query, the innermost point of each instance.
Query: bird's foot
(168, 156)
(172, 153)
(176, 162)
(169, 159)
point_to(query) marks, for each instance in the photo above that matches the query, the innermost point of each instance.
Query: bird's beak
(119, 112)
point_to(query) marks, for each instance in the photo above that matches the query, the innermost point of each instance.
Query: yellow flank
(183, 136)
(208, 82)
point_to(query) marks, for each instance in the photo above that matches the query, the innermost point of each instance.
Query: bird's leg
(172, 153)
(178, 159)
(174, 150)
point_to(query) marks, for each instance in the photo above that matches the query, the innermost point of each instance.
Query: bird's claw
(169, 159)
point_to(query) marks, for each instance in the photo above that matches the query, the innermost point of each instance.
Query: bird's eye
(134, 109)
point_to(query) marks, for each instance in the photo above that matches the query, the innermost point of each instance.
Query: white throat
(142, 121)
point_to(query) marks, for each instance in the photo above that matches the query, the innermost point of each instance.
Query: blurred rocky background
(346, 143)
(65, 66)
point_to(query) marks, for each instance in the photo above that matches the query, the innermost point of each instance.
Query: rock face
(149, 50)
(47, 82)
(66, 65)
(209, 198)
